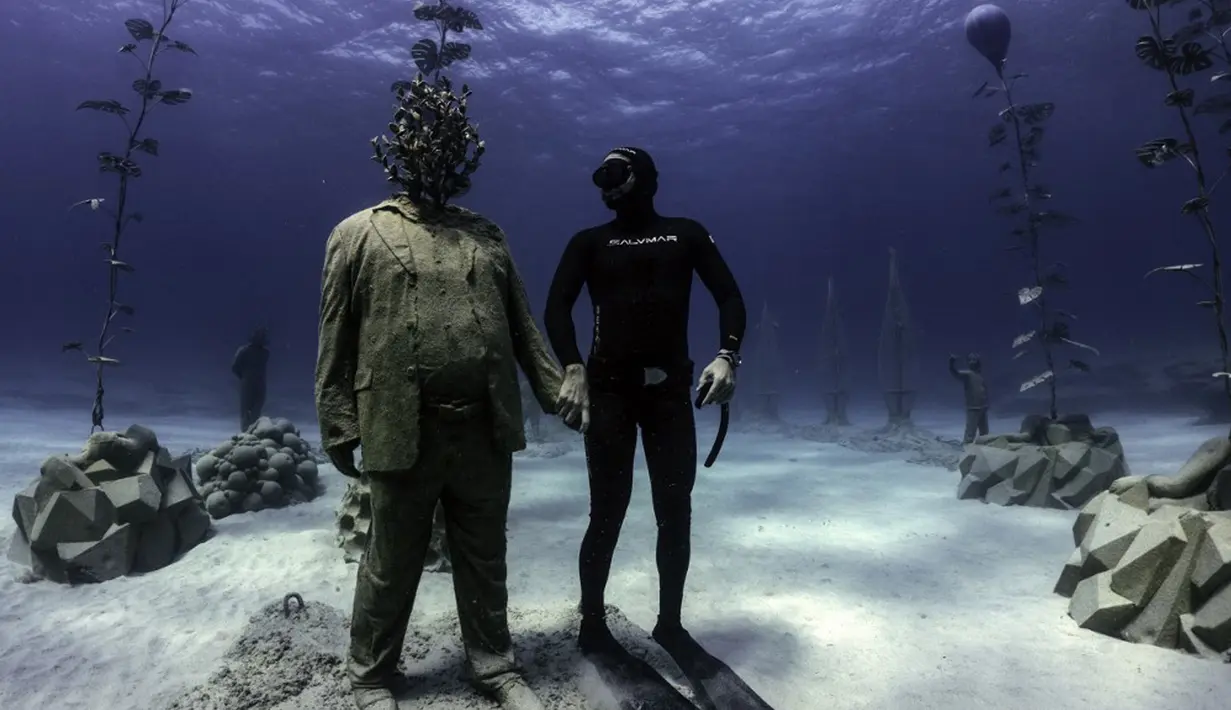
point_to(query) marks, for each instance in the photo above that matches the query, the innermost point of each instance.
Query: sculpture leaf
(1175, 268)
(427, 13)
(1158, 151)
(1155, 54)
(1183, 97)
(1191, 59)
(1036, 381)
(454, 52)
(146, 145)
(1034, 114)
(175, 97)
(180, 46)
(425, 55)
(147, 89)
(140, 29)
(1196, 204)
(105, 105)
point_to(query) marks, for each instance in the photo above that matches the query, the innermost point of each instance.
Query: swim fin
(635, 683)
(717, 686)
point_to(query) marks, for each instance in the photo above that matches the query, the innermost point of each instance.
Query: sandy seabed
(827, 577)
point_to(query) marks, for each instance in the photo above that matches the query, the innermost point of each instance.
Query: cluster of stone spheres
(122, 505)
(267, 466)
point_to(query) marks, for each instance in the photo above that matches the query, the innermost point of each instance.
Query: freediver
(250, 365)
(975, 391)
(638, 269)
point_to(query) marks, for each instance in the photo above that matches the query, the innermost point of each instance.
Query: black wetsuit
(640, 283)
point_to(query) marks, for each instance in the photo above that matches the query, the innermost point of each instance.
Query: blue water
(808, 136)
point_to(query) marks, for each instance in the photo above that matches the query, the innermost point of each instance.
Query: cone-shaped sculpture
(896, 359)
(835, 378)
(763, 385)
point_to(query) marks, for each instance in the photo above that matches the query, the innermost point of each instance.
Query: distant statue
(250, 365)
(976, 395)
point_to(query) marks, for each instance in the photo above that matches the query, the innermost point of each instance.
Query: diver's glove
(342, 457)
(720, 375)
(573, 402)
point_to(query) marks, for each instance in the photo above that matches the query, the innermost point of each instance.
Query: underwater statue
(424, 322)
(424, 409)
(975, 389)
(250, 365)
(639, 376)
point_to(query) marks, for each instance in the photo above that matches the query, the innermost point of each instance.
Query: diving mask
(615, 176)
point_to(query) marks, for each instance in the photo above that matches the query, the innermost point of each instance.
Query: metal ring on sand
(286, 603)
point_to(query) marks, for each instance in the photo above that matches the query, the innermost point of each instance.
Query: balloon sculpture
(988, 30)
(1020, 128)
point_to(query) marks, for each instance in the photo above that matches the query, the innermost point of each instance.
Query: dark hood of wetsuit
(629, 181)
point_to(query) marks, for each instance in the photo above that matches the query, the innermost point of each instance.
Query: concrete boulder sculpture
(354, 521)
(268, 466)
(1059, 463)
(1153, 558)
(122, 505)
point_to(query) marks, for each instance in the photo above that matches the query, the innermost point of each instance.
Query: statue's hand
(343, 458)
(573, 402)
(1124, 483)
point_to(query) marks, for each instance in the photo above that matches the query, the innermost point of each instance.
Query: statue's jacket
(367, 379)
